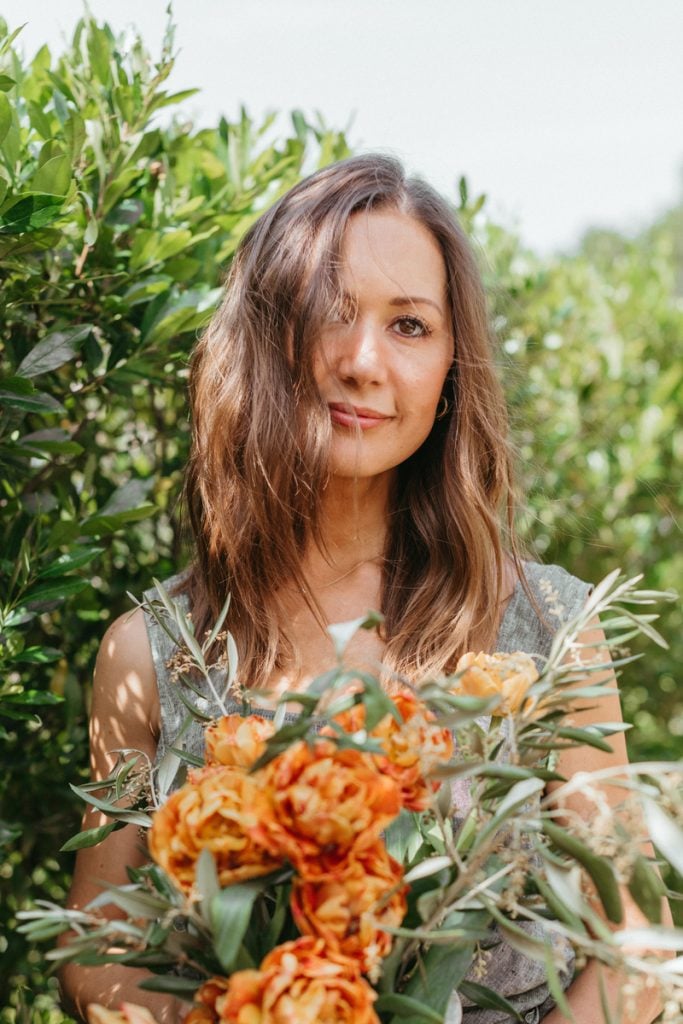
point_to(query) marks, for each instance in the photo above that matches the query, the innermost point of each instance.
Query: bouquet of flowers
(359, 860)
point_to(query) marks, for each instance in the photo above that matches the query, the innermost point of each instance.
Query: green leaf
(518, 795)
(206, 881)
(53, 178)
(599, 869)
(48, 930)
(665, 833)
(647, 889)
(186, 312)
(30, 212)
(443, 968)
(661, 937)
(170, 984)
(74, 134)
(99, 52)
(65, 587)
(565, 909)
(164, 100)
(6, 83)
(427, 867)
(34, 698)
(91, 232)
(89, 837)
(36, 402)
(230, 912)
(400, 833)
(200, 716)
(135, 902)
(377, 703)
(97, 525)
(555, 985)
(485, 997)
(74, 559)
(403, 1006)
(16, 386)
(129, 817)
(147, 288)
(35, 445)
(53, 351)
(38, 655)
(40, 120)
(128, 496)
(5, 117)
(585, 737)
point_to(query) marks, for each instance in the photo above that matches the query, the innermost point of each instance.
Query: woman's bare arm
(125, 713)
(584, 993)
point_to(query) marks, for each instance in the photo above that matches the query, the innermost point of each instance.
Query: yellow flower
(490, 675)
(301, 983)
(236, 741)
(217, 809)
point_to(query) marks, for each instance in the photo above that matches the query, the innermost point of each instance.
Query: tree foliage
(117, 222)
(115, 229)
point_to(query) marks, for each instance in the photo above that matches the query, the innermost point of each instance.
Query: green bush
(114, 233)
(115, 229)
(595, 388)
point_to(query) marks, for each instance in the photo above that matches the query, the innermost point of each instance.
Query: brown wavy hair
(261, 436)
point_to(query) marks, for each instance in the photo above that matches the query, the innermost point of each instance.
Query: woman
(349, 452)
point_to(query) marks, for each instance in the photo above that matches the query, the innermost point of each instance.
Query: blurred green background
(116, 226)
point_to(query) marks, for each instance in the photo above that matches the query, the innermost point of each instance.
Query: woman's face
(384, 354)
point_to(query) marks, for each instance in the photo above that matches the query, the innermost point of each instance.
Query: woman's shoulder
(544, 599)
(125, 644)
(124, 691)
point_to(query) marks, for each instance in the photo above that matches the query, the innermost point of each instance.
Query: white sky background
(567, 113)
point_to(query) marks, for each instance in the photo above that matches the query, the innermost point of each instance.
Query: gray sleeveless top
(559, 597)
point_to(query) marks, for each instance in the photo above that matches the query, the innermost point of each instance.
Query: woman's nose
(361, 355)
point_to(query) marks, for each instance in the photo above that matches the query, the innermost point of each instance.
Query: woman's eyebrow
(414, 300)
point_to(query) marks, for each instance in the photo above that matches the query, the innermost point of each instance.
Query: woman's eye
(411, 327)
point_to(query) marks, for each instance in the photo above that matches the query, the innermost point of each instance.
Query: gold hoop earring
(442, 408)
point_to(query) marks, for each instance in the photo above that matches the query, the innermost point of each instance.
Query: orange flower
(413, 747)
(216, 810)
(489, 675)
(326, 804)
(237, 741)
(130, 1013)
(200, 1015)
(208, 998)
(348, 912)
(299, 983)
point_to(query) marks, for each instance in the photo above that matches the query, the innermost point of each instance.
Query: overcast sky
(567, 113)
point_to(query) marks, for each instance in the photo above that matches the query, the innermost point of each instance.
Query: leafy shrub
(114, 232)
(595, 389)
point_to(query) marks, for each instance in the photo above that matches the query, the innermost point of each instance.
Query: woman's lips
(356, 416)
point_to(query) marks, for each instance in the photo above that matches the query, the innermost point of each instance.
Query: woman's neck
(353, 529)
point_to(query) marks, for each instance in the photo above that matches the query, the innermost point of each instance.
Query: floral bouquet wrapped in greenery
(358, 860)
